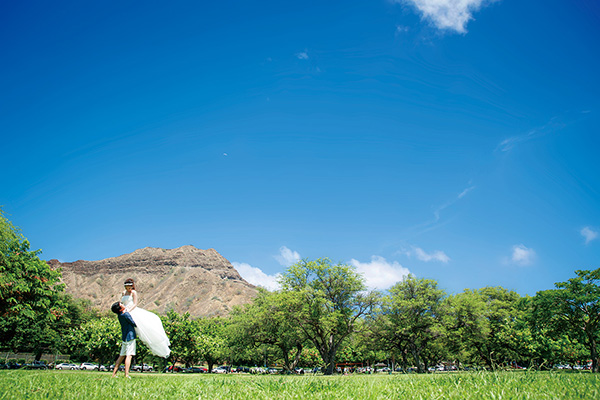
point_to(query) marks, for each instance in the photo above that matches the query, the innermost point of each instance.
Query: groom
(127, 336)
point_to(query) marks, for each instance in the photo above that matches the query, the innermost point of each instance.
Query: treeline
(323, 315)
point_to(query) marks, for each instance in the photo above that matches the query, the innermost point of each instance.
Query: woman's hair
(130, 282)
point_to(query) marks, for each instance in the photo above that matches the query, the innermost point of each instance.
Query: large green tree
(195, 340)
(548, 346)
(183, 334)
(485, 326)
(97, 339)
(410, 318)
(573, 309)
(327, 300)
(31, 298)
(266, 321)
(210, 340)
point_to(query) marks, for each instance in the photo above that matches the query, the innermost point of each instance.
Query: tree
(31, 299)
(193, 340)
(360, 350)
(265, 321)
(549, 347)
(484, 324)
(183, 334)
(410, 317)
(326, 301)
(98, 339)
(210, 339)
(573, 309)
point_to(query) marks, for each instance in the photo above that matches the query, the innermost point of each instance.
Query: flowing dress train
(149, 329)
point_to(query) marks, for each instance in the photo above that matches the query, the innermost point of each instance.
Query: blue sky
(455, 140)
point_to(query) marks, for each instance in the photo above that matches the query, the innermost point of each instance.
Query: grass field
(99, 385)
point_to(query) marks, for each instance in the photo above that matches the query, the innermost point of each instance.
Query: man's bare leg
(119, 361)
(127, 365)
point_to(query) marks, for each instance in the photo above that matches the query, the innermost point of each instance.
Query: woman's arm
(135, 300)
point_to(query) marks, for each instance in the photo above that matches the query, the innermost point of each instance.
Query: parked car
(170, 368)
(220, 370)
(10, 365)
(144, 367)
(88, 366)
(66, 366)
(103, 368)
(36, 365)
(195, 370)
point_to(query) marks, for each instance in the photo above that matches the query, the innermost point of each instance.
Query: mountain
(186, 279)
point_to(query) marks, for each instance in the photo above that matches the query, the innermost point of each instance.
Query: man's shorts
(128, 348)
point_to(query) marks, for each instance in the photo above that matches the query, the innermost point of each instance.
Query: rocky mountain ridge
(185, 279)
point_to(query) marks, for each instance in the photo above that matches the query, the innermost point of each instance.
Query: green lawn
(99, 385)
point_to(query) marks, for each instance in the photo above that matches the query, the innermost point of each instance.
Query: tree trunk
(594, 354)
(487, 357)
(417, 357)
(328, 356)
(404, 360)
(291, 366)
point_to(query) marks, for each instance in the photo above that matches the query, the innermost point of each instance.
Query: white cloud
(464, 192)
(554, 125)
(287, 257)
(380, 274)
(437, 211)
(303, 55)
(447, 14)
(435, 256)
(401, 29)
(589, 234)
(256, 276)
(521, 255)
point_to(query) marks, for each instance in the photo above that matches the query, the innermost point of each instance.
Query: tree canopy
(573, 309)
(31, 295)
(327, 302)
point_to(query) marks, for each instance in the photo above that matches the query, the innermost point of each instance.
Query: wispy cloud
(447, 14)
(422, 255)
(401, 29)
(522, 255)
(379, 273)
(464, 192)
(552, 126)
(437, 211)
(589, 234)
(303, 55)
(287, 257)
(256, 276)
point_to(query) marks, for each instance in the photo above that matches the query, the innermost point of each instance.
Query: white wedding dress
(149, 329)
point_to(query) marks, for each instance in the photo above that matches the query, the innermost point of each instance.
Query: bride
(149, 326)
